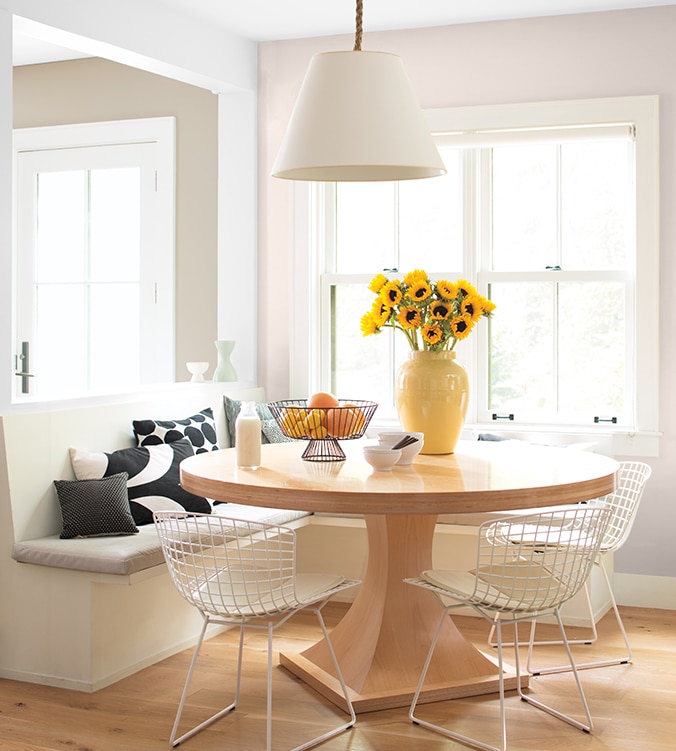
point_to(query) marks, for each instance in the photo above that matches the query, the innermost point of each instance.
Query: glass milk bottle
(248, 437)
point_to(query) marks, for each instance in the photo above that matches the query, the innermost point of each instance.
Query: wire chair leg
(444, 731)
(176, 741)
(350, 709)
(555, 713)
(268, 721)
(618, 618)
(597, 663)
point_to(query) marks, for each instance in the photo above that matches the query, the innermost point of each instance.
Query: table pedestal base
(382, 641)
(325, 684)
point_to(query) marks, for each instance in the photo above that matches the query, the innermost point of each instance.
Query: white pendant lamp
(357, 119)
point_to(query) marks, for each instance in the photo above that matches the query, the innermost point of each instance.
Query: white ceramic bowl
(381, 458)
(408, 453)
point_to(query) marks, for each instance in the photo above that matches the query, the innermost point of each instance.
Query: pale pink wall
(567, 57)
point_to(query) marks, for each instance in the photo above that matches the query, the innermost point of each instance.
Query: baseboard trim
(640, 591)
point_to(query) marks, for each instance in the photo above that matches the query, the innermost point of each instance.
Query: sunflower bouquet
(432, 315)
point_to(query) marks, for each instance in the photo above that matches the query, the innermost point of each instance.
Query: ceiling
(265, 20)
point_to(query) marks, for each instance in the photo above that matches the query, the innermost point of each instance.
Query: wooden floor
(634, 706)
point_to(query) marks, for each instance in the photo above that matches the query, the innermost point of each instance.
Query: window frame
(310, 369)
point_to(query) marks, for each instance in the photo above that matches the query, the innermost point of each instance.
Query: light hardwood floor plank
(632, 705)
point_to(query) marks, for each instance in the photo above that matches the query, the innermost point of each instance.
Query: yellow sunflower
(466, 288)
(488, 306)
(440, 311)
(472, 307)
(419, 292)
(377, 283)
(380, 311)
(432, 333)
(461, 326)
(409, 317)
(368, 325)
(415, 277)
(391, 293)
(447, 290)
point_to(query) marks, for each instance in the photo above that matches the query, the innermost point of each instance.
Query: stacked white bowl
(408, 453)
(382, 458)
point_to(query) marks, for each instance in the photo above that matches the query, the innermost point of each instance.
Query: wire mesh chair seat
(513, 581)
(241, 573)
(623, 503)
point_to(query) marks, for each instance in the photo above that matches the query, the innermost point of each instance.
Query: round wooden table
(382, 640)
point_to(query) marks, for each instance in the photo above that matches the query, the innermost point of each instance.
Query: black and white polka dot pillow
(199, 429)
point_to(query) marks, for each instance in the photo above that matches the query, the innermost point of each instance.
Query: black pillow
(94, 508)
(199, 429)
(153, 483)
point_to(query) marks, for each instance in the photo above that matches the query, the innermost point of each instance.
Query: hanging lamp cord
(358, 30)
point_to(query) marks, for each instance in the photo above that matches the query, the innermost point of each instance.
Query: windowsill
(616, 442)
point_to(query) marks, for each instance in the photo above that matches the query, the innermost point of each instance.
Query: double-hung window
(551, 211)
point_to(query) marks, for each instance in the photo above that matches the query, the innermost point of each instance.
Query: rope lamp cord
(359, 28)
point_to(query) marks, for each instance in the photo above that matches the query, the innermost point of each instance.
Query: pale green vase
(225, 370)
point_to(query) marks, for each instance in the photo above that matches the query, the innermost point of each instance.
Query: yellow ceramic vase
(431, 393)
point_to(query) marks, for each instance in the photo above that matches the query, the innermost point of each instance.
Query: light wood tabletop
(382, 640)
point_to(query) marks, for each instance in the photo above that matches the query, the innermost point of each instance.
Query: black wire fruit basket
(323, 427)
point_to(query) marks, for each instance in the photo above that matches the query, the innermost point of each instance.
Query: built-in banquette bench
(83, 613)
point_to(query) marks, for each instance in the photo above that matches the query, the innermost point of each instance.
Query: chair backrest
(631, 480)
(228, 567)
(535, 562)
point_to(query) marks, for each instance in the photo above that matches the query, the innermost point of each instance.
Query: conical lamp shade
(357, 119)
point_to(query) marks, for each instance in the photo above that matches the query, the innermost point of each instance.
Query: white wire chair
(517, 579)
(623, 504)
(242, 573)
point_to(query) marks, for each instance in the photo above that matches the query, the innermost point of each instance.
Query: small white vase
(197, 370)
(224, 368)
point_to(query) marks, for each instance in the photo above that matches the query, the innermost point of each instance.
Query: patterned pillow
(270, 430)
(199, 429)
(94, 508)
(153, 483)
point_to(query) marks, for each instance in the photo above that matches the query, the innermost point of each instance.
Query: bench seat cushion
(106, 555)
(127, 554)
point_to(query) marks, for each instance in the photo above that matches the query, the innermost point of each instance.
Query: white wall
(541, 59)
(142, 34)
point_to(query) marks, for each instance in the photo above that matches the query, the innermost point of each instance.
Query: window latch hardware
(553, 268)
(495, 416)
(605, 419)
(391, 271)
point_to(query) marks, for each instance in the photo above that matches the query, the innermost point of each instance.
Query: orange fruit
(321, 400)
(344, 422)
(358, 420)
(337, 422)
